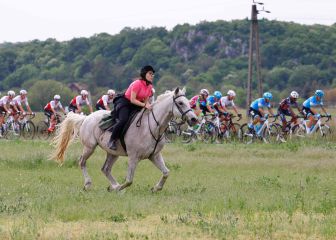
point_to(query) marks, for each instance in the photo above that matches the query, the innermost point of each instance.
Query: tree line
(211, 55)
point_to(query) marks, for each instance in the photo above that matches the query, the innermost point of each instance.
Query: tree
(43, 91)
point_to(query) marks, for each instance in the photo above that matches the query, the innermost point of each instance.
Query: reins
(161, 135)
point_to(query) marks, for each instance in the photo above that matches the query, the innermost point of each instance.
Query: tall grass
(229, 191)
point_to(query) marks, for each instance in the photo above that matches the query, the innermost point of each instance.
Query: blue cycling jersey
(211, 100)
(312, 102)
(260, 103)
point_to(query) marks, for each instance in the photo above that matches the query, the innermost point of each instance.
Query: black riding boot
(112, 144)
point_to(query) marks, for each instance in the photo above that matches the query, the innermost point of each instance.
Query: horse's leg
(132, 164)
(87, 151)
(106, 169)
(158, 161)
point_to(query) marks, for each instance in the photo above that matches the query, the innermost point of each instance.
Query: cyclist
(105, 100)
(285, 109)
(17, 101)
(226, 102)
(198, 102)
(50, 110)
(312, 114)
(256, 110)
(5, 102)
(78, 101)
(212, 100)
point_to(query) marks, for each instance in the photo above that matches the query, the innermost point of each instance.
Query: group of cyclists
(13, 105)
(202, 104)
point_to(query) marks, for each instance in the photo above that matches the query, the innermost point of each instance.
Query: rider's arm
(270, 111)
(324, 110)
(29, 109)
(235, 109)
(136, 101)
(90, 108)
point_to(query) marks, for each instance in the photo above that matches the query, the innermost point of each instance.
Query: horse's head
(181, 107)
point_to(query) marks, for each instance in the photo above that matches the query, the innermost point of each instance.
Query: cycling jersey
(211, 100)
(260, 103)
(53, 105)
(104, 100)
(18, 101)
(80, 101)
(312, 102)
(5, 101)
(286, 103)
(196, 100)
(225, 102)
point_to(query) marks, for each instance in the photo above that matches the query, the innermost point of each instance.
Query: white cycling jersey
(225, 102)
(80, 101)
(104, 100)
(5, 100)
(18, 101)
(53, 105)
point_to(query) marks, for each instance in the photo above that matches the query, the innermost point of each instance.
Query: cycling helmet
(231, 93)
(23, 92)
(319, 93)
(294, 94)
(11, 93)
(84, 92)
(145, 70)
(268, 95)
(217, 94)
(57, 97)
(110, 92)
(204, 91)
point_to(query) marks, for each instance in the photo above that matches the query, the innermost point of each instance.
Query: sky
(26, 20)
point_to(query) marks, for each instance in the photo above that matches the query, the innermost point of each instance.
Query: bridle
(183, 114)
(161, 135)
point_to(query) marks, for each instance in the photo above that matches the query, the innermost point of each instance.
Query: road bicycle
(42, 127)
(207, 130)
(301, 130)
(267, 132)
(228, 130)
(27, 127)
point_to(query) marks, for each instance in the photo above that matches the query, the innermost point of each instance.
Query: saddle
(108, 122)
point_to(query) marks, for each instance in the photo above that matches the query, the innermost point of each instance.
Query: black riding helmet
(144, 71)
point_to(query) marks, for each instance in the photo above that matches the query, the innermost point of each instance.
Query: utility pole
(254, 35)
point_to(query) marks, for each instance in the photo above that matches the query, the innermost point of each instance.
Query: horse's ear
(184, 90)
(176, 90)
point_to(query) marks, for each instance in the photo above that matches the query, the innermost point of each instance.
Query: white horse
(144, 142)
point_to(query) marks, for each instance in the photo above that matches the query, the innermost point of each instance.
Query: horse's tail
(67, 132)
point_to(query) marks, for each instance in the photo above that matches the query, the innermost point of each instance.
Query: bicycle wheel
(325, 130)
(28, 130)
(187, 135)
(270, 134)
(245, 134)
(42, 130)
(171, 132)
(11, 132)
(298, 132)
(210, 133)
(234, 132)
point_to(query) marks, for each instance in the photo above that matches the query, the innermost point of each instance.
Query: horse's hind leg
(158, 161)
(87, 151)
(106, 169)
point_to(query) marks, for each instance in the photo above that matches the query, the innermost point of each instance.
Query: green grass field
(229, 191)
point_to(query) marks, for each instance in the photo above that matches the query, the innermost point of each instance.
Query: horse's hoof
(110, 189)
(87, 186)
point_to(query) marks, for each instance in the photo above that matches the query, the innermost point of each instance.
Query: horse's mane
(163, 96)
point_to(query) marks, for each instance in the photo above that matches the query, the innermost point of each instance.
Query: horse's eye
(180, 103)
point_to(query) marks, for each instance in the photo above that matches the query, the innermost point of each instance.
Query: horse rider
(136, 97)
